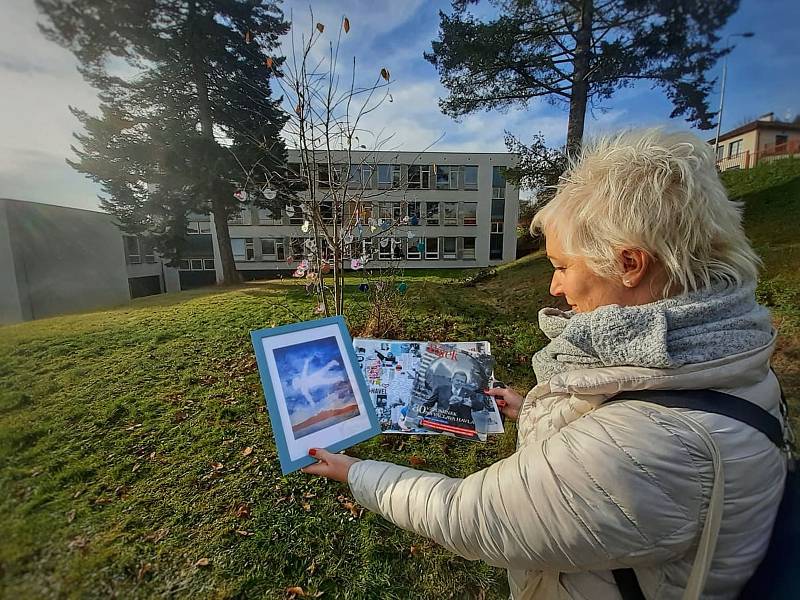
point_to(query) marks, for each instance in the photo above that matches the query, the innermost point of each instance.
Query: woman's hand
(332, 466)
(508, 401)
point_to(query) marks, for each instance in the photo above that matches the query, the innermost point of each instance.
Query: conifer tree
(186, 117)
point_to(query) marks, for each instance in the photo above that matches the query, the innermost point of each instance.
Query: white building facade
(455, 210)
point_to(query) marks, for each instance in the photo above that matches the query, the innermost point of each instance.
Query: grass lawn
(136, 458)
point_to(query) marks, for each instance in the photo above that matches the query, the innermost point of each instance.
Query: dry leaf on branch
(320, 27)
(202, 562)
(346, 25)
(385, 73)
(268, 62)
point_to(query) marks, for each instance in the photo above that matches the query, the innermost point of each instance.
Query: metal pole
(719, 114)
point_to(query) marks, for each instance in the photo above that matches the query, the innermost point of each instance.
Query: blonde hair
(656, 191)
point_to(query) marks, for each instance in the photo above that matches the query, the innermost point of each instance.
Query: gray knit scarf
(666, 334)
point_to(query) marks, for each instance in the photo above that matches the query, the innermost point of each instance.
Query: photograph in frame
(316, 394)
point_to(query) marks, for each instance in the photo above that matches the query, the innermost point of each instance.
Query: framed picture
(316, 393)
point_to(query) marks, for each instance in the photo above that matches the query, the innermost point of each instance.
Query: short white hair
(656, 191)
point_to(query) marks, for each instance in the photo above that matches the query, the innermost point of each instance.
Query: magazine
(393, 368)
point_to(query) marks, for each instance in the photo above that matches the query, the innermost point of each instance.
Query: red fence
(747, 159)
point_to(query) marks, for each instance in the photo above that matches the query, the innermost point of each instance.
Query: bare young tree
(335, 182)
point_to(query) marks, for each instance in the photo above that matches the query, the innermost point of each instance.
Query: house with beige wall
(760, 140)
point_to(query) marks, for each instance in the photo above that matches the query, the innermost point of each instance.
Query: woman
(651, 257)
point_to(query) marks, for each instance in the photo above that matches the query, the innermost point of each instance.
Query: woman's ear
(635, 263)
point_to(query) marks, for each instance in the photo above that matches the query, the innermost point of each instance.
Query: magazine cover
(390, 368)
(448, 393)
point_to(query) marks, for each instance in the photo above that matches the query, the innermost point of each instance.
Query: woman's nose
(555, 287)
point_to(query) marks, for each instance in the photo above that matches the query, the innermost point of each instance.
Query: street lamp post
(747, 34)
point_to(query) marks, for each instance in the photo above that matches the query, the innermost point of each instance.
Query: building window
(297, 246)
(468, 248)
(446, 178)
(470, 177)
(781, 140)
(498, 209)
(272, 249)
(496, 246)
(497, 227)
(451, 213)
(241, 217)
(361, 176)
(297, 216)
(198, 227)
(431, 213)
(413, 210)
(148, 251)
(413, 252)
(270, 216)
(196, 264)
(499, 177)
(324, 179)
(385, 248)
(398, 248)
(469, 213)
(431, 248)
(388, 176)
(133, 255)
(242, 249)
(419, 177)
(449, 245)
(734, 149)
(720, 152)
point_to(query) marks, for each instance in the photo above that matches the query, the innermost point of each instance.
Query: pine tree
(579, 51)
(186, 115)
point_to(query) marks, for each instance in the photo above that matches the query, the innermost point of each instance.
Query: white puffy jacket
(589, 490)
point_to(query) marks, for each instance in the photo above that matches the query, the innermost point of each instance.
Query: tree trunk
(229, 273)
(580, 83)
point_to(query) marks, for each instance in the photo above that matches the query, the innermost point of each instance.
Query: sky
(39, 81)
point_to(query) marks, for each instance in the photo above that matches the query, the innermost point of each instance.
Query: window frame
(438, 211)
(470, 186)
(449, 254)
(465, 250)
(428, 254)
(465, 221)
(450, 221)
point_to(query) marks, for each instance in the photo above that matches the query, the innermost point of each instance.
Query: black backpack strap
(710, 401)
(715, 402)
(628, 584)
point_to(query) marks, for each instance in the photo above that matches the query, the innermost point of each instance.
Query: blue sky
(39, 81)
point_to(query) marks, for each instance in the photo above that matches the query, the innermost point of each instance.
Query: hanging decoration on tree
(269, 193)
(289, 260)
(363, 287)
(415, 220)
(356, 264)
(420, 246)
(305, 226)
(240, 195)
(325, 268)
(319, 310)
(290, 211)
(386, 225)
(411, 235)
(402, 287)
(348, 238)
(384, 242)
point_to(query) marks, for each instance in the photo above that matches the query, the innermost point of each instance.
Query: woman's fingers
(330, 465)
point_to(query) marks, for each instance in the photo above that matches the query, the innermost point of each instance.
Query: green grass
(122, 436)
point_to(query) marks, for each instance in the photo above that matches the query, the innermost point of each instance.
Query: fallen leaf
(306, 507)
(135, 468)
(320, 27)
(309, 495)
(295, 591)
(76, 494)
(202, 562)
(143, 570)
(179, 416)
(243, 511)
(417, 461)
(217, 466)
(346, 25)
(247, 451)
(152, 455)
(413, 550)
(70, 516)
(244, 533)
(78, 543)
(157, 536)
(312, 567)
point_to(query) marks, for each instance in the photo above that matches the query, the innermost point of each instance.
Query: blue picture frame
(299, 338)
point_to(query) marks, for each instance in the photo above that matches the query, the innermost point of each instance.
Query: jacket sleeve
(624, 486)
